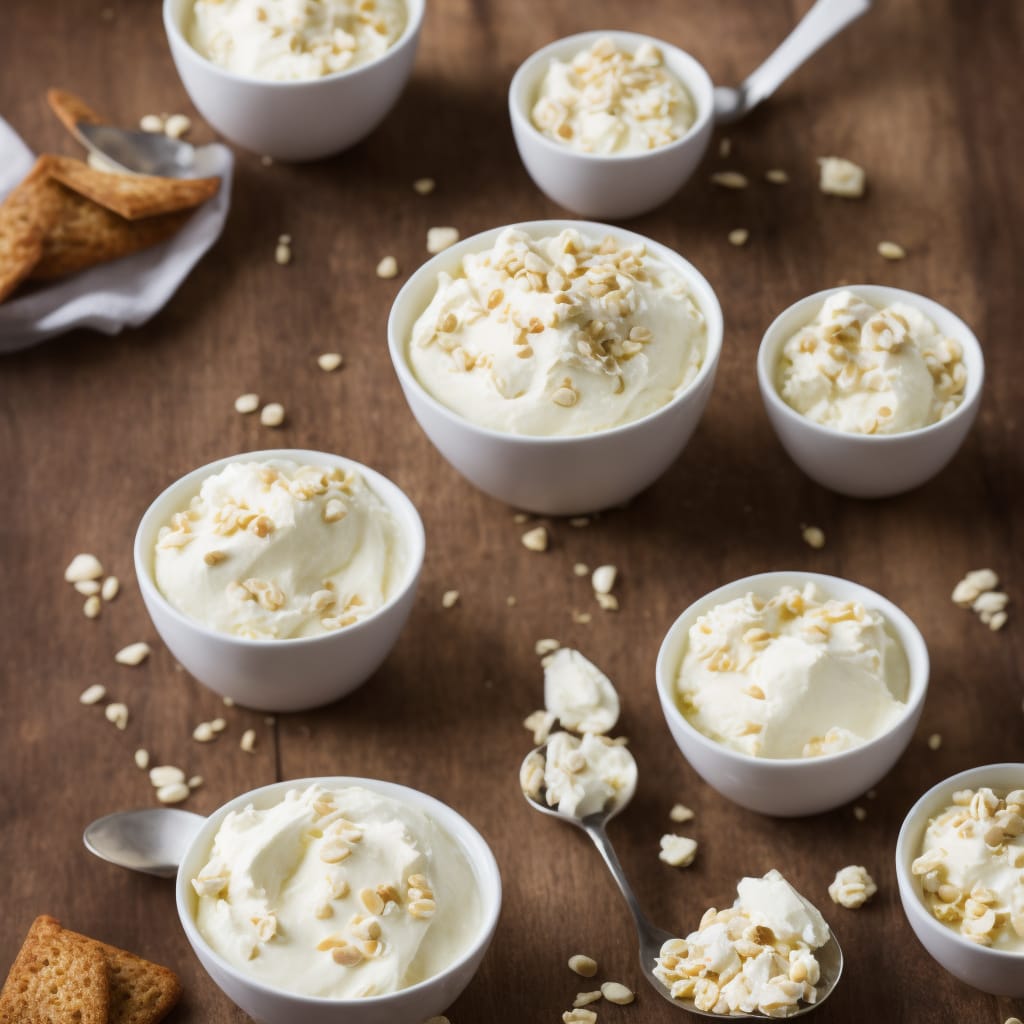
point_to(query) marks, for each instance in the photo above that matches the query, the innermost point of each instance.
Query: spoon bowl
(650, 938)
(152, 841)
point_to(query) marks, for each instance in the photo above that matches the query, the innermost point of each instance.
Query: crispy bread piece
(85, 234)
(57, 977)
(141, 992)
(134, 196)
(71, 109)
(26, 215)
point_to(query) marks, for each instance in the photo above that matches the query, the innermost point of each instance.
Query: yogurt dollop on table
(293, 40)
(794, 675)
(971, 867)
(274, 550)
(865, 370)
(339, 893)
(607, 100)
(558, 335)
(756, 956)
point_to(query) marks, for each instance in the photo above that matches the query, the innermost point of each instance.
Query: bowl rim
(907, 633)
(466, 836)
(415, 10)
(888, 293)
(705, 104)
(918, 814)
(408, 521)
(700, 289)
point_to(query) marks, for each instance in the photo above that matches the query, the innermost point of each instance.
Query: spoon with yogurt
(566, 783)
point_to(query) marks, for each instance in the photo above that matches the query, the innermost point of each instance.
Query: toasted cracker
(141, 992)
(71, 109)
(26, 215)
(85, 234)
(134, 196)
(56, 977)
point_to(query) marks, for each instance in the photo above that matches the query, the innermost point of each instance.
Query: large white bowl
(861, 465)
(291, 674)
(302, 120)
(407, 1006)
(992, 970)
(556, 475)
(793, 786)
(618, 185)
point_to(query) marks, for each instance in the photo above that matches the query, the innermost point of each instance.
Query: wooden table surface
(92, 428)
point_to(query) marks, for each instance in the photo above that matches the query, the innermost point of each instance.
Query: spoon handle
(649, 935)
(826, 19)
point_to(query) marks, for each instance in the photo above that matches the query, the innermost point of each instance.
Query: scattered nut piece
(203, 733)
(133, 654)
(814, 536)
(581, 569)
(92, 606)
(724, 147)
(177, 126)
(546, 646)
(934, 741)
(586, 998)
(329, 361)
(520, 518)
(678, 851)
(578, 522)
(195, 782)
(83, 567)
(681, 813)
(739, 236)
(997, 621)
(860, 813)
(248, 741)
(839, 177)
(535, 539)
(228, 702)
(173, 793)
(449, 599)
(730, 179)
(776, 176)
(424, 186)
(283, 251)
(87, 587)
(607, 602)
(891, 251)
(165, 775)
(111, 588)
(93, 694)
(579, 1017)
(142, 758)
(510, 600)
(272, 414)
(247, 403)
(118, 714)
(388, 267)
(614, 992)
(603, 579)
(584, 966)
(581, 618)
(852, 887)
(218, 725)
(152, 123)
(439, 239)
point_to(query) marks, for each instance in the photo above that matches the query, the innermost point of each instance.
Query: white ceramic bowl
(793, 786)
(992, 970)
(618, 185)
(556, 475)
(861, 465)
(281, 675)
(302, 120)
(407, 1006)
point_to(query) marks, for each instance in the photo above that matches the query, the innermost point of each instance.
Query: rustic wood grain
(925, 96)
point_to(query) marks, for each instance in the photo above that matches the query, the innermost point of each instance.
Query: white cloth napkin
(124, 292)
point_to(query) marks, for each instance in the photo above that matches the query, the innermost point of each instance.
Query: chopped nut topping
(272, 414)
(584, 966)
(839, 177)
(535, 539)
(83, 567)
(423, 186)
(329, 361)
(439, 239)
(681, 813)
(388, 267)
(133, 654)
(247, 403)
(117, 713)
(730, 179)
(93, 694)
(891, 251)
(449, 599)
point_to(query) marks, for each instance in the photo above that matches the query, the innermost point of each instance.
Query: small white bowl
(862, 465)
(992, 970)
(301, 120)
(616, 185)
(556, 475)
(288, 674)
(408, 1006)
(793, 786)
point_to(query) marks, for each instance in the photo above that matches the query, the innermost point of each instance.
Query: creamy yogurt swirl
(558, 335)
(336, 892)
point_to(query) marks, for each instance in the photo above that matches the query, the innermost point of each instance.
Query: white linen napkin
(124, 292)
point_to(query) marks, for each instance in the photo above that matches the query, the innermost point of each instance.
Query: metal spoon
(651, 939)
(152, 841)
(826, 19)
